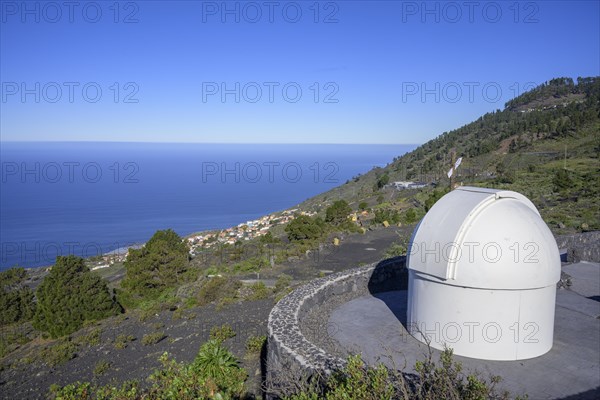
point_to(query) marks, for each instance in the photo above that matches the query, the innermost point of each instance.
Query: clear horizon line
(183, 142)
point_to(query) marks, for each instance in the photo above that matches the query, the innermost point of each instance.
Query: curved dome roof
(485, 238)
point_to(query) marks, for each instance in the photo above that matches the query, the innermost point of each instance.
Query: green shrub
(283, 281)
(217, 288)
(446, 379)
(224, 302)
(305, 228)
(122, 340)
(222, 333)
(443, 380)
(73, 391)
(160, 264)
(562, 180)
(382, 181)
(409, 216)
(363, 205)
(101, 367)
(214, 374)
(59, 353)
(259, 291)
(153, 338)
(389, 215)
(92, 338)
(395, 250)
(254, 344)
(129, 390)
(252, 264)
(16, 300)
(11, 338)
(69, 296)
(220, 369)
(338, 212)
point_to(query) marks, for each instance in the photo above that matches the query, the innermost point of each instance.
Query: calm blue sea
(91, 198)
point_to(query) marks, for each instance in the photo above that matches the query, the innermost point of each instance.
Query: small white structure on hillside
(483, 268)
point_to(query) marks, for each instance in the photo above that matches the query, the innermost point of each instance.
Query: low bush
(222, 333)
(254, 344)
(122, 340)
(217, 288)
(101, 367)
(283, 281)
(389, 215)
(92, 338)
(153, 338)
(214, 374)
(443, 380)
(259, 291)
(59, 353)
(11, 338)
(395, 250)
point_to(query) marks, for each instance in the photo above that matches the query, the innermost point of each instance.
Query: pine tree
(156, 266)
(70, 295)
(16, 299)
(338, 212)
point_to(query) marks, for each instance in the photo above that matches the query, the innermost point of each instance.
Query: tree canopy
(338, 212)
(70, 295)
(304, 228)
(16, 299)
(158, 265)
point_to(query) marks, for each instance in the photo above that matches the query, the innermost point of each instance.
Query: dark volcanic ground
(23, 376)
(21, 379)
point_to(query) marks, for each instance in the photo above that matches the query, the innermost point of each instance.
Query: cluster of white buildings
(402, 185)
(245, 231)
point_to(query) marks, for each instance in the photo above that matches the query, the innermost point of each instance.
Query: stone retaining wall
(581, 246)
(290, 355)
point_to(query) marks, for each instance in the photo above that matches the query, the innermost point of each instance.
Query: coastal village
(242, 232)
(248, 230)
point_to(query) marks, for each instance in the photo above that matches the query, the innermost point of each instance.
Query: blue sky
(368, 72)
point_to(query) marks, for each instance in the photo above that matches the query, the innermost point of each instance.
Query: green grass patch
(153, 338)
(222, 333)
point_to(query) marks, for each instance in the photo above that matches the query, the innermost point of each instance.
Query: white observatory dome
(483, 268)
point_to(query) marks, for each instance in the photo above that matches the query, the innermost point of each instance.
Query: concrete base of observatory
(570, 370)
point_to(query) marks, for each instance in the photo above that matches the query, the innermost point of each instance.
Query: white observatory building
(483, 268)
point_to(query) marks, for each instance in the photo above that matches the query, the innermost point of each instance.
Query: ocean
(88, 198)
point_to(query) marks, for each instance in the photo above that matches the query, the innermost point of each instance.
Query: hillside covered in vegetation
(544, 144)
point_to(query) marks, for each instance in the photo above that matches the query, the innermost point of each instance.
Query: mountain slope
(544, 144)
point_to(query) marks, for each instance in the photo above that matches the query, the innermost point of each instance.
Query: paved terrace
(571, 370)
